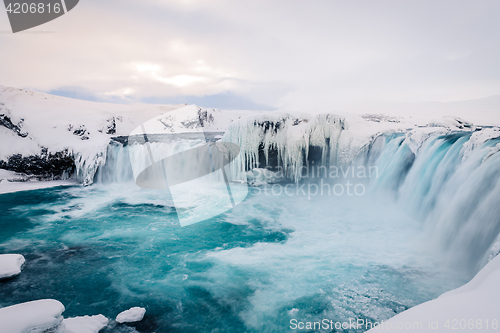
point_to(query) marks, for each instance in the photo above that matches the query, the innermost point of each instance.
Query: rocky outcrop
(6, 122)
(47, 165)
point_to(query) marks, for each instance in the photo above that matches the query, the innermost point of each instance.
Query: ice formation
(85, 324)
(34, 317)
(10, 265)
(131, 315)
(290, 137)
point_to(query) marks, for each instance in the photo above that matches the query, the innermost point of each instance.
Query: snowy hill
(48, 135)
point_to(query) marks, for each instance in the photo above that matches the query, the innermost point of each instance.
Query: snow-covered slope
(46, 316)
(473, 307)
(34, 317)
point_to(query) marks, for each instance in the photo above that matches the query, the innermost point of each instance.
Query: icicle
(289, 136)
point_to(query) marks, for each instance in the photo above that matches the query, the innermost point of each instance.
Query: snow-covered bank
(10, 265)
(10, 187)
(14, 182)
(43, 316)
(473, 307)
(33, 317)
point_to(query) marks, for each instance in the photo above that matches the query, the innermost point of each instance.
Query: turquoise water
(105, 248)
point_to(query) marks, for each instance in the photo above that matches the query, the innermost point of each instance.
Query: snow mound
(477, 139)
(470, 308)
(33, 317)
(85, 324)
(5, 174)
(10, 265)
(451, 122)
(131, 315)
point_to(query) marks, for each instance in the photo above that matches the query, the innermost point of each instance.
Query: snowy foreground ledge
(10, 265)
(44, 316)
(474, 307)
(37, 316)
(85, 324)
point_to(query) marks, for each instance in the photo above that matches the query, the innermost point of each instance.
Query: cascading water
(450, 182)
(453, 188)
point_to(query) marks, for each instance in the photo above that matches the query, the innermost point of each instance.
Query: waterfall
(448, 180)
(194, 172)
(452, 184)
(117, 168)
(123, 161)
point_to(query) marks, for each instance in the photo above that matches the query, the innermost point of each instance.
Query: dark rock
(45, 166)
(5, 121)
(111, 128)
(81, 131)
(204, 117)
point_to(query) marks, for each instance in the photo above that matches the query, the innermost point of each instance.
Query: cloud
(290, 54)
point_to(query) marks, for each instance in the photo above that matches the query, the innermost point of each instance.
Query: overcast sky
(260, 54)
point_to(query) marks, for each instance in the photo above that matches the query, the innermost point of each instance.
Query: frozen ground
(9, 187)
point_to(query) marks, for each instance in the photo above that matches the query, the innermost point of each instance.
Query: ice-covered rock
(131, 315)
(451, 122)
(10, 265)
(40, 316)
(85, 324)
(416, 138)
(477, 139)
